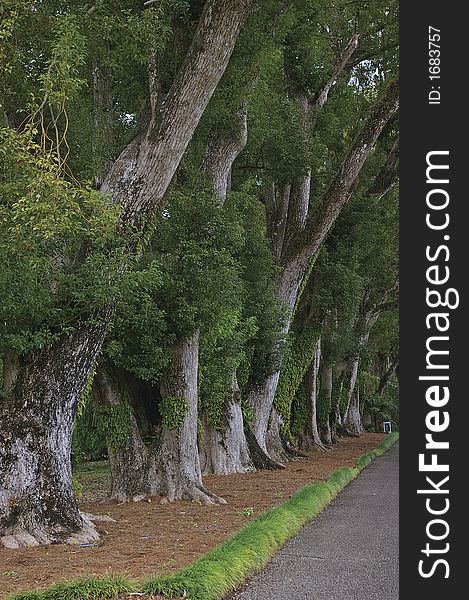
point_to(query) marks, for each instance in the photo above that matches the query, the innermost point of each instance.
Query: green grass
(93, 469)
(227, 566)
(88, 588)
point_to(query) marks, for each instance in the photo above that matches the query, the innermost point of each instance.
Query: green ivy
(173, 411)
(86, 392)
(301, 411)
(297, 359)
(323, 407)
(114, 421)
(304, 282)
(337, 394)
(367, 382)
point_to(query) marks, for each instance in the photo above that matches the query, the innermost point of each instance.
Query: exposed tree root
(259, 458)
(35, 536)
(344, 432)
(193, 491)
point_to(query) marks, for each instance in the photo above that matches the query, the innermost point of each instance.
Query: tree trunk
(311, 439)
(325, 408)
(37, 503)
(141, 175)
(36, 499)
(178, 472)
(261, 396)
(353, 420)
(226, 450)
(129, 458)
(260, 399)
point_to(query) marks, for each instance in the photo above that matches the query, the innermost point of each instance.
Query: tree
(36, 501)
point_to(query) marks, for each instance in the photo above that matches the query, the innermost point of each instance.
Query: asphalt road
(350, 552)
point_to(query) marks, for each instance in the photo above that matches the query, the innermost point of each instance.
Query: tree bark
(36, 499)
(129, 461)
(226, 450)
(37, 503)
(353, 419)
(178, 472)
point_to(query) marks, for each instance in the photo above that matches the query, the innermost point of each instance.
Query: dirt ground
(149, 537)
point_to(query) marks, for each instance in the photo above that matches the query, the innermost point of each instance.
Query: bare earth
(150, 537)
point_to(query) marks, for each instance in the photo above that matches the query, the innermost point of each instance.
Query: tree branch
(388, 177)
(142, 173)
(339, 191)
(340, 64)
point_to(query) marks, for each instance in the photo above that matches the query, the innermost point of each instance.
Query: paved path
(350, 552)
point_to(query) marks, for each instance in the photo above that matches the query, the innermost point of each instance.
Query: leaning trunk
(37, 410)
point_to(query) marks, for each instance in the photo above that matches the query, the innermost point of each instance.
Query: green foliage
(301, 411)
(44, 223)
(88, 441)
(210, 269)
(173, 411)
(114, 422)
(88, 588)
(298, 357)
(367, 382)
(86, 393)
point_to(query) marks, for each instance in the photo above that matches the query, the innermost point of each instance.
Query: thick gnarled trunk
(129, 458)
(37, 503)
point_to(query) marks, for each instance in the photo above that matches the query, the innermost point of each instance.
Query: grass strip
(87, 588)
(228, 565)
